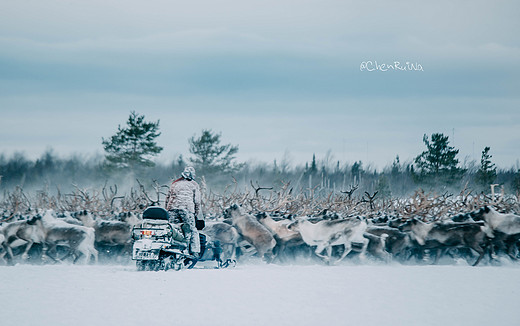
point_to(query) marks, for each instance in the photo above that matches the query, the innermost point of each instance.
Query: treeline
(319, 176)
(130, 151)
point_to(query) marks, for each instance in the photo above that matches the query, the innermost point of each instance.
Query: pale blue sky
(272, 76)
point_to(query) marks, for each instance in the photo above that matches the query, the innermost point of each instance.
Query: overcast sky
(278, 78)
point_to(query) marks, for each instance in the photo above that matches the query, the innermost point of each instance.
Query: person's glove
(200, 224)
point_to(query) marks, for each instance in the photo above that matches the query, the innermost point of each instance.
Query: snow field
(57, 295)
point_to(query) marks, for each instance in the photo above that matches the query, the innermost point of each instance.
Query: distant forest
(129, 153)
(51, 173)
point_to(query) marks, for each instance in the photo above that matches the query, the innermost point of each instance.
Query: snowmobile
(161, 245)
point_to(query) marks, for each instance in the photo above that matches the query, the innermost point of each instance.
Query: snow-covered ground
(260, 295)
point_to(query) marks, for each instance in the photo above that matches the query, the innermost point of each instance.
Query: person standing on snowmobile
(183, 203)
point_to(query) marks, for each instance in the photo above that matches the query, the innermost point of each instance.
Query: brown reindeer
(227, 235)
(252, 231)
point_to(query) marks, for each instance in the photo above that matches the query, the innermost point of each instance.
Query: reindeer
(285, 238)
(503, 229)
(506, 223)
(252, 231)
(227, 235)
(29, 231)
(377, 246)
(439, 236)
(397, 243)
(111, 236)
(79, 239)
(325, 234)
(113, 233)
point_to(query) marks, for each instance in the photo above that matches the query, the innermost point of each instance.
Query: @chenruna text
(395, 66)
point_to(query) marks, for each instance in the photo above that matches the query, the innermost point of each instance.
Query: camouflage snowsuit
(183, 203)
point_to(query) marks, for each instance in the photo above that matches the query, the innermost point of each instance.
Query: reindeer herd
(282, 226)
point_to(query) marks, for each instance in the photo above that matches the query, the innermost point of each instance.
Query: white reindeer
(18, 233)
(325, 234)
(505, 223)
(79, 239)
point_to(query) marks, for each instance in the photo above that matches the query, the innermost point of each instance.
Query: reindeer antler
(350, 191)
(143, 191)
(259, 188)
(370, 199)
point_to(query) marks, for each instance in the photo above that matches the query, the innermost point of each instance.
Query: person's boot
(190, 263)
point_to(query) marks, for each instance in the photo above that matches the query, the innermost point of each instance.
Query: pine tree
(133, 146)
(357, 169)
(396, 167)
(314, 167)
(383, 186)
(487, 172)
(438, 164)
(180, 161)
(210, 156)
